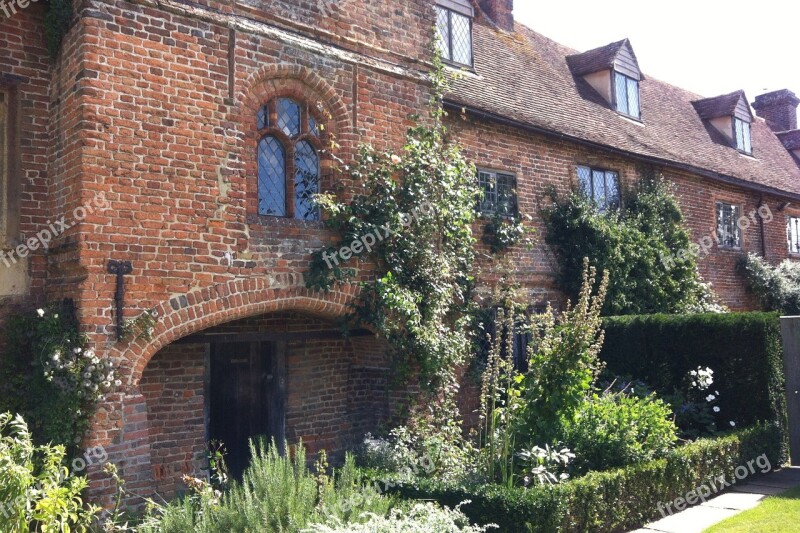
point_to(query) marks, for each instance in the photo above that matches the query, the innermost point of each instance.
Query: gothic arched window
(288, 160)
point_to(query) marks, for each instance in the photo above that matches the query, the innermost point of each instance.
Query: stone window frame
(10, 162)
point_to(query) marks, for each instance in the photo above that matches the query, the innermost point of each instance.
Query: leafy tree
(643, 244)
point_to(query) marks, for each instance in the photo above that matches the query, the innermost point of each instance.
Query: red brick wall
(338, 390)
(541, 163)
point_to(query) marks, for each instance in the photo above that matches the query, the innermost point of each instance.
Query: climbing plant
(643, 244)
(51, 376)
(57, 21)
(411, 216)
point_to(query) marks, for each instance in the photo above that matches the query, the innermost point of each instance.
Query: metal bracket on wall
(120, 269)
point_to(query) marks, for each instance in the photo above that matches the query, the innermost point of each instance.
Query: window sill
(283, 222)
(730, 248)
(632, 119)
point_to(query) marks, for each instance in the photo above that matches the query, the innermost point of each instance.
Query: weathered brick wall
(541, 163)
(338, 390)
(25, 70)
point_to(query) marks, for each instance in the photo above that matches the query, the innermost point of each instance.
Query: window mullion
(291, 169)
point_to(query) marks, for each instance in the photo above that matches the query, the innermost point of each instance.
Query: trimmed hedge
(612, 501)
(743, 349)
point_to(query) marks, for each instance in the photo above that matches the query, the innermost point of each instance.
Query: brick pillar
(779, 109)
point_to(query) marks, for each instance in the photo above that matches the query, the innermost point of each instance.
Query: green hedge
(612, 501)
(744, 350)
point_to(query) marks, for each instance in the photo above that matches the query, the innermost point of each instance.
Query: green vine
(502, 233)
(52, 376)
(411, 216)
(141, 327)
(57, 22)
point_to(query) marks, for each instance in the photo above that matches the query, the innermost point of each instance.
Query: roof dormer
(613, 71)
(730, 116)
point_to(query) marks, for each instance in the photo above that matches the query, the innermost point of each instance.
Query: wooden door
(246, 388)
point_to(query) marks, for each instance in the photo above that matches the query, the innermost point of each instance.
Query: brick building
(186, 139)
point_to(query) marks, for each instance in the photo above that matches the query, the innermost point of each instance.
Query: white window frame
(793, 234)
(724, 227)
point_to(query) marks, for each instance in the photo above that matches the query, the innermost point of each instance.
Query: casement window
(741, 132)
(793, 234)
(499, 194)
(454, 28)
(519, 342)
(626, 95)
(599, 185)
(729, 234)
(288, 160)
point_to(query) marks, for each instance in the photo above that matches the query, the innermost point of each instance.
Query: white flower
(710, 398)
(40, 312)
(76, 350)
(55, 315)
(396, 159)
(716, 409)
(55, 355)
(716, 392)
(89, 353)
(118, 383)
(87, 375)
(733, 424)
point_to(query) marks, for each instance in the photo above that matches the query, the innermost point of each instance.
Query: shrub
(276, 494)
(641, 243)
(612, 501)
(37, 492)
(778, 287)
(743, 349)
(613, 430)
(422, 518)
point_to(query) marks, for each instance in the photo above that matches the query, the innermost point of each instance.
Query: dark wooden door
(246, 384)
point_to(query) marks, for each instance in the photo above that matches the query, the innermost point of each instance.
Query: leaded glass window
(743, 138)
(600, 186)
(499, 194)
(455, 36)
(288, 160)
(626, 92)
(793, 234)
(729, 235)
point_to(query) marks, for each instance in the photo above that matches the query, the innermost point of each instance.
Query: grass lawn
(776, 514)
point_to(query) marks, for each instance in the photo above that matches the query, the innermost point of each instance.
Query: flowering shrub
(695, 405)
(778, 287)
(141, 327)
(422, 518)
(69, 374)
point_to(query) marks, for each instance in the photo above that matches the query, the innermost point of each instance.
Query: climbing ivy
(57, 21)
(411, 216)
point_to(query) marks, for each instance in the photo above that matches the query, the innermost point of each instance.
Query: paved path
(739, 498)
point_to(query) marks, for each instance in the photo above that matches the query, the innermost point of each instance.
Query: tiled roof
(524, 78)
(718, 106)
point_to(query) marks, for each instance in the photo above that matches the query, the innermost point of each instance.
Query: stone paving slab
(740, 497)
(737, 501)
(692, 520)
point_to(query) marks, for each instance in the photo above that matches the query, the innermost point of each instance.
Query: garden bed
(617, 500)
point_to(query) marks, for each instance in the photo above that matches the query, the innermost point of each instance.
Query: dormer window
(613, 72)
(454, 28)
(742, 131)
(627, 95)
(728, 118)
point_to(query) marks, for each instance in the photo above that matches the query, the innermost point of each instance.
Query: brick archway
(205, 308)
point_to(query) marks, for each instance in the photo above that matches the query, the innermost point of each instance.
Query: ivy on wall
(411, 215)
(57, 22)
